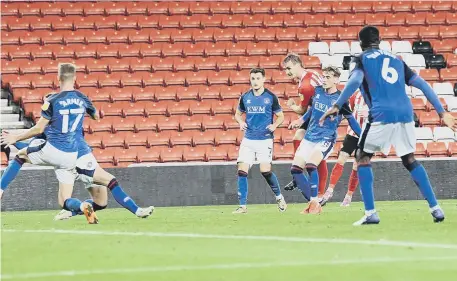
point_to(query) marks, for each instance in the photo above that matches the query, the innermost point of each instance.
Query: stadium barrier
(215, 184)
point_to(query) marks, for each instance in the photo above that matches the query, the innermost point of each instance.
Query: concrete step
(8, 110)
(12, 125)
(9, 118)
(3, 102)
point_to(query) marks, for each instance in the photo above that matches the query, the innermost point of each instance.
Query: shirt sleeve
(46, 110)
(90, 108)
(241, 106)
(410, 75)
(345, 110)
(276, 107)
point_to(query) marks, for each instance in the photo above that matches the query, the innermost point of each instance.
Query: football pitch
(210, 243)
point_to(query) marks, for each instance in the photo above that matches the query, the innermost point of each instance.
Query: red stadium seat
(354, 19)
(199, 7)
(451, 18)
(392, 33)
(285, 152)
(247, 34)
(114, 140)
(362, 7)
(215, 49)
(307, 34)
(232, 92)
(137, 139)
(216, 153)
(236, 49)
(227, 34)
(181, 64)
(203, 138)
(266, 35)
(105, 157)
(293, 20)
(188, 93)
(416, 19)
(144, 124)
(194, 154)
(418, 104)
(180, 138)
(348, 33)
(182, 35)
(287, 136)
(445, 46)
(122, 124)
(273, 62)
(166, 21)
(232, 21)
(334, 20)
(100, 125)
(436, 18)
(197, 78)
(206, 63)
(452, 149)
(186, 21)
(224, 107)
(430, 107)
(229, 122)
(168, 123)
(219, 78)
(408, 32)
(253, 21)
(205, 92)
(157, 108)
(191, 122)
(396, 19)
(278, 7)
(448, 74)
(429, 32)
(146, 94)
(146, 155)
(451, 60)
(111, 109)
(429, 119)
(314, 20)
(277, 21)
(376, 19)
(212, 21)
(430, 74)
(241, 77)
(179, 108)
(448, 32)
(166, 93)
(212, 122)
(203, 107)
(248, 62)
(437, 149)
(174, 154)
(197, 49)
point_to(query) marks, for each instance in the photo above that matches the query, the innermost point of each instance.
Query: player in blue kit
(260, 105)
(61, 123)
(381, 77)
(319, 140)
(96, 181)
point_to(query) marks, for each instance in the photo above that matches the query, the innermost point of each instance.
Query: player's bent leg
(298, 137)
(420, 178)
(300, 178)
(365, 174)
(99, 196)
(242, 175)
(352, 186)
(272, 180)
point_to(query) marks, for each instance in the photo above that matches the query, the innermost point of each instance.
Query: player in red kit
(360, 109)
(307, 81)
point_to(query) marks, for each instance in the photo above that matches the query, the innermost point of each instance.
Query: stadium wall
(215, 184)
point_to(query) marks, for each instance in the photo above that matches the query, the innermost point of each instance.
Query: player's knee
(363, 157)
(342, 157)
(296, 170)
(310, 168)
(266, 174)
(242, 174)
(98, 207)
(409, 161)
(112, 184)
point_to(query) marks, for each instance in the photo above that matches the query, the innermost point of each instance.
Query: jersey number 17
(68, 114)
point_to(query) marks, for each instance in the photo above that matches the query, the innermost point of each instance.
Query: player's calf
(273, 182)
(302, 181)
(242, 188)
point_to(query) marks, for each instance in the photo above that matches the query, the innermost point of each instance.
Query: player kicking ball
(308, 80)
(381, 77)
(350, 144)
(60, 121)
(319, 140)
(259, 105)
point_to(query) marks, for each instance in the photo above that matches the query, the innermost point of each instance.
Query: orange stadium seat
(229, 122)
(270, 21)
(205, 92)
(275, 7)
(429, 119)
(101, 125)
(174, 154)
(452, 149)
(429, 32)
(159, 139)
(123, 124)
(191, 122)
(448, 32)
(114, 140)
(146, 155)
(437, 149)
(194, 154)
(451, 18)
(285, 152)
(199, 7)
(180, 138)
(430, 75)
(179, 108)
(232, 151)
(168, 123)
(418, 104)
(216, 153)
(438, 18)
(125, 157)
(448, 74)
(293, 21)
(137, 139)
(264, 35)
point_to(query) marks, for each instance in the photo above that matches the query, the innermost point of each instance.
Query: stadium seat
(451, 103)
(166, 93)
(444, 134)
(445, 46)
(224, 107)
(318, 48)
(137, 139)
(292, 20)
(429, 32)
(228, 137)
(203, 107)
(451, 18)
(306, 34)
(145, 155)
(216, 153)
(157, 108)
(231, 21)
(180, 138)
(315, 20)
(122, 124)
(401, 47)
(273, 62)
(114, 140)
(199, 7)
(174, 154)
(219, 78)
(197, 49)
(430, 107)
(278, 7)
(100, 125)
(385, 45)
(191, 122)
(336, 60)
(443, 89)
(448, 32)
(437, 149)
(266, 7)
(197, 78)
(197, 154)
(146, 94)
(290, 34)
(414, 60)
(435, 61)
(203, 138)
(178, 108)
(397, 19)
(429, 119)
(205, 92)
(187, 93)
(448, 74)
(212, 122)
(378, 19)
(339, 48)
(452, 149)
(300, 48)
(430, 75)
(285, 152)
(389, 33)
(232, 151)
(105, 157)
(159, 139)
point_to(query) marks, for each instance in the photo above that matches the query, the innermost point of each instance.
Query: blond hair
(67, 71)
(332, 69)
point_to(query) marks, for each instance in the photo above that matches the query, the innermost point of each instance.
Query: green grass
(87, 253)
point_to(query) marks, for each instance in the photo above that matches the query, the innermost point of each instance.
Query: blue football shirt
(65, 112)
(383, 87)
(259, 113)
(321, 102)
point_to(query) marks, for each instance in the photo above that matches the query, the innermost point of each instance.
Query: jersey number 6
(79, 112)
(388, 73)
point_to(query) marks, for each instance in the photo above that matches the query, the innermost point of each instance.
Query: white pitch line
(229, 266)
(246, 237)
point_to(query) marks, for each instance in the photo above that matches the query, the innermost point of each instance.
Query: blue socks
(20, 145)
(365, 173)
(302, 181)
(313, 179)
(421, 179)
(273, 182)
(11, 172)
(121, 197)
(242, 187)
(73, 205)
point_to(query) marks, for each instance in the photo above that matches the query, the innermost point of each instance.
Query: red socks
(296, 145)
(336, 174)
(323, 173)
(353, 182)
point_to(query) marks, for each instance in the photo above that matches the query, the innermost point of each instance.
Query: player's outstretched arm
(354, 125)
(10, 139)
(418, 82)
(297, 123)
(239, 119)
